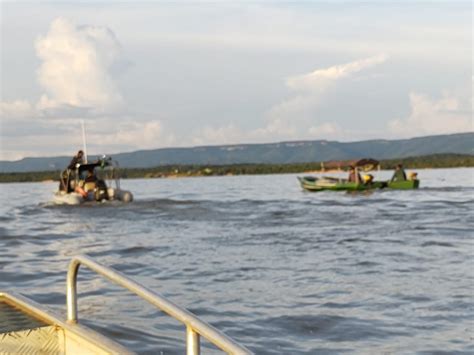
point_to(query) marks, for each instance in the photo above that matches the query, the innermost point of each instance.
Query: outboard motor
(124, 195)
(119, 194)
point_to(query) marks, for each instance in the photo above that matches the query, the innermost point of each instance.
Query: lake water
(280, 270)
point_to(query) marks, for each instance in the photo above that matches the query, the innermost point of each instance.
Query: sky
(154, 74)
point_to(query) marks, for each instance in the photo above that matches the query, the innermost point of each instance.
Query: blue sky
(145, 75)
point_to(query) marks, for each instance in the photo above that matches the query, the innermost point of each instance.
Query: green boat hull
(404, 185)
(332, 184)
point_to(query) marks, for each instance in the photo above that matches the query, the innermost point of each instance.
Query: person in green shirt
(399, 174)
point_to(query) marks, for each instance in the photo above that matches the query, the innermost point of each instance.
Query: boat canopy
(102, 162)
(88, 166)
(365, 164)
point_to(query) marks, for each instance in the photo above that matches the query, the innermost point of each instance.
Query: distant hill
(271, 153)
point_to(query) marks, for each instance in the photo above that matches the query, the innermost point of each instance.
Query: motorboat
(361, 183)
(98, 181)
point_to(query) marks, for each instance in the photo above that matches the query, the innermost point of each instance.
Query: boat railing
(195, 327)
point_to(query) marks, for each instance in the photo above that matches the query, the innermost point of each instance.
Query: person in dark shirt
(77, 159)
(67, 182)
(399, 174)
(354, 175)
(91, 177)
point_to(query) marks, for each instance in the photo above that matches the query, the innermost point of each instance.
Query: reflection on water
(278, 269)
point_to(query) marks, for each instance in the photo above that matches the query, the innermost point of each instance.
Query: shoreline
(186, 171)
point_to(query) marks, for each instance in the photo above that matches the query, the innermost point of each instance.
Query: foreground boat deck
(29, 328)
(12, 319)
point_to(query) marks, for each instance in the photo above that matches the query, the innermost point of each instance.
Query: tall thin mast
(84, 141)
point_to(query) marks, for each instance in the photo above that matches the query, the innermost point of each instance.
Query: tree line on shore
(419, 162)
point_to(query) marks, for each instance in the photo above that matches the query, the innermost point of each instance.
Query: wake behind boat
(356, 182)
(91, 182)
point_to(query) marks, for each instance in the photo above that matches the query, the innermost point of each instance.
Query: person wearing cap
(399, 174)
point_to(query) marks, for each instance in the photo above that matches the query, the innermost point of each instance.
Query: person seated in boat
(80, 189)
(86, 185)
(368, 179)
(354, 175)
(413, 176)
(399, 174)
(90, 181)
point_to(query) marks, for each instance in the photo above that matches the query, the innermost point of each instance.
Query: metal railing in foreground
(195, 327)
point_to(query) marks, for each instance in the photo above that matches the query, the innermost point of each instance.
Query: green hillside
(272, 153)
(429, 161)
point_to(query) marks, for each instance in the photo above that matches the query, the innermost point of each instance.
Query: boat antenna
(84, 141)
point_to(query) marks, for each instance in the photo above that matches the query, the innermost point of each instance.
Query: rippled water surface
(278, 269)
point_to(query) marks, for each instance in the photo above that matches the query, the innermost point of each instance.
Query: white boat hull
(63, 198)
(73, 198)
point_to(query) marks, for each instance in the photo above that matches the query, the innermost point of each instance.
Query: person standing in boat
(399, 174)
(77, 159)
(354, 175)
(68, 175)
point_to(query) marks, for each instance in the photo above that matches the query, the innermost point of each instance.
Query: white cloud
(42, 138)
(136, 135)
(76, 63)
(103, 136)
(74, 72)
(221, 135)
(195, 64)
(319, 79)
(326, 131)
(275, 131)
(300, 109)
(294, 118)
(16, 109)
(449, 114)
(231, 134)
